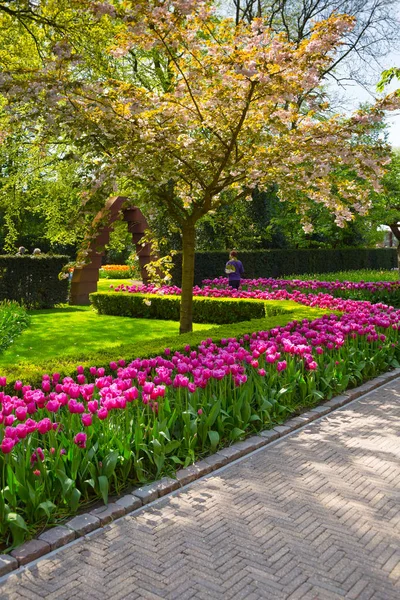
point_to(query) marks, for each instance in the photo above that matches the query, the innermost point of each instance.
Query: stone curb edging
(83, 524)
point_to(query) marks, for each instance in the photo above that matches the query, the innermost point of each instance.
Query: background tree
(391, 200)
(386, 205)
(387, 77)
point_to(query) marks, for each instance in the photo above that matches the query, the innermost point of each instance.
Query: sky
(357, 94)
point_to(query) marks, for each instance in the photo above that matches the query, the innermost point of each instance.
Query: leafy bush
(277, 263)
(205, 310)
(13, 320)
(33, 281)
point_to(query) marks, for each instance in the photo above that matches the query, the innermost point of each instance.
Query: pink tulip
(312, 365)
(46, 387)
(7, 445)
(93, 405)
(21, 413)
(102, 413)
(22, 431)
(87, 419)
(80, 440)
(131, 394)
(44, 426)
(53, 406)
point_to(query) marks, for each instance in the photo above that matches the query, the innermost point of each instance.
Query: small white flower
(147, 302)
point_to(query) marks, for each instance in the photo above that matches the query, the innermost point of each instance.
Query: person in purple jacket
(234, 269)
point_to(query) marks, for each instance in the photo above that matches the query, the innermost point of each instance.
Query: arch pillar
(85, 278)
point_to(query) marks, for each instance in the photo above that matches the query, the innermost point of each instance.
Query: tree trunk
(188, 245)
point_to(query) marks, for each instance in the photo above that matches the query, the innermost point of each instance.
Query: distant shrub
(13, 320)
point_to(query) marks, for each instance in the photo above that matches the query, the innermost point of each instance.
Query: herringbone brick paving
(315, 516)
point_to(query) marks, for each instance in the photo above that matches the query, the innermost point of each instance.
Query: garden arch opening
(85, 278)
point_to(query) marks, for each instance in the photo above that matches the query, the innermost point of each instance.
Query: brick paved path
(314, 516)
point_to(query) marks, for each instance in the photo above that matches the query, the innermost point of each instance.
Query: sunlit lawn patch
(360, 275)
(72, 331)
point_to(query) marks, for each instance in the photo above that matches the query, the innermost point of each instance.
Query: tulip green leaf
(47, 507)
(103, 487)
(74, 499)
(109, 463)
(214, 439)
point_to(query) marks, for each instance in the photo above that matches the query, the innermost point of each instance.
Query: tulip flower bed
(276, 289)
(117, 272)
(374, 291)
(13, 320)
(73, 439)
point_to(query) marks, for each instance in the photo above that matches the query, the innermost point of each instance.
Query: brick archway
(84, 280)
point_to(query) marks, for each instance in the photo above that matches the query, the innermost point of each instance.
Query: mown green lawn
(76, 330)
(360, 275)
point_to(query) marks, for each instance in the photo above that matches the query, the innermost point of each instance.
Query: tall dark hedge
(279, 263)
(33, 281)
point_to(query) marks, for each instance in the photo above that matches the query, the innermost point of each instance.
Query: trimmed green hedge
(278, 263)
(66, 366)
(33, 281)
(205, 310)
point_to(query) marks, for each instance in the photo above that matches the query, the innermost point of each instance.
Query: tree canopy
(189, 111)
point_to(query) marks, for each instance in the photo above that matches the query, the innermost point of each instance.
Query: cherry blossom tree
(223, 113)
(374, 35)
